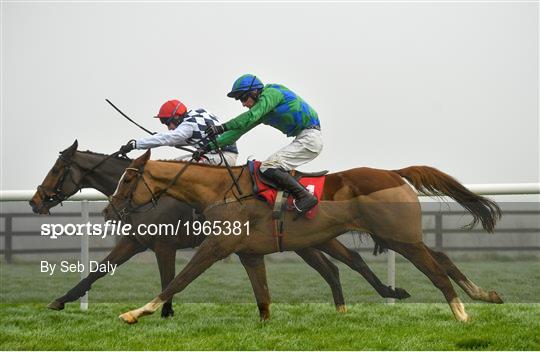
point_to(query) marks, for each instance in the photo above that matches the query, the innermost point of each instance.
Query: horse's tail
(430, 181)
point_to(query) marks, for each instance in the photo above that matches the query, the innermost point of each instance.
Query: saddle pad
(264, 192)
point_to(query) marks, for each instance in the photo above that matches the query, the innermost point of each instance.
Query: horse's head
(134, 190)
(60, 183)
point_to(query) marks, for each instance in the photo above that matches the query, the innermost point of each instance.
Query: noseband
(55, 194)
(128, 207)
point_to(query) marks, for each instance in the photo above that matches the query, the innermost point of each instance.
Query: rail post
(85, 215)
(438, 232)
(8, 244)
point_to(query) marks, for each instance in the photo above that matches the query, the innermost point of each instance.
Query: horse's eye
(55, 171)
(126, 180)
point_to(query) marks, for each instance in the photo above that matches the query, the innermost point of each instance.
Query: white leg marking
(459, 310)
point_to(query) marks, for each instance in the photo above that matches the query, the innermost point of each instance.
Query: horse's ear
(140, 161)
(71, 149)
(146, 156)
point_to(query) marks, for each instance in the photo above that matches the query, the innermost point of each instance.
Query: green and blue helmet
(245, 84)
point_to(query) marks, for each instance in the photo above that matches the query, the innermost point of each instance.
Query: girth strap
(278, 217)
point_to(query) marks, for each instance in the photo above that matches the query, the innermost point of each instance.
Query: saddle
(279, 199)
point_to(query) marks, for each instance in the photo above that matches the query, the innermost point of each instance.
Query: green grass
(225, 316)
(290, 282)
(205, 326)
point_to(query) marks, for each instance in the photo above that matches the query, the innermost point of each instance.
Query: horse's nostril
(108, 214)
(34, 207)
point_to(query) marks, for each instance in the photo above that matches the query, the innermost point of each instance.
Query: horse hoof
(167, 313)
(401, 293)
(128, 318)
(495, 298)
(341, 308)
(55, 305)
(465, 319)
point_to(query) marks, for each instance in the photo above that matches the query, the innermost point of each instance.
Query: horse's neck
(105, 177)
(201, 185)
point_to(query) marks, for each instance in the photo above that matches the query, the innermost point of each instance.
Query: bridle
(129, 208)
(55, 194)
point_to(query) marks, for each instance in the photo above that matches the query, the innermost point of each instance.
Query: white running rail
(482, 189)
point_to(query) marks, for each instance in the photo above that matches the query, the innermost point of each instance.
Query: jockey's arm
(268, 100)
(175, 137)
(227, 138)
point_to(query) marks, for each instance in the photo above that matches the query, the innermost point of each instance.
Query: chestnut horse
(75, 169)
(378, 202)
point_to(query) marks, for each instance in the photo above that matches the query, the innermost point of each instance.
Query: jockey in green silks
(279, 107)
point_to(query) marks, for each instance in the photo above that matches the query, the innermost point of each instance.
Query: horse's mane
(104, 155)
(198, 164)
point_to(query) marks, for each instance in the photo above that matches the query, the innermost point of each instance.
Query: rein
(214, 140)
(58, 194)
(87, 172)
(129, 209)
(235, 181)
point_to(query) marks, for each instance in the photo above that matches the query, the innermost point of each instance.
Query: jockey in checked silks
(279, 107)
(185, 128)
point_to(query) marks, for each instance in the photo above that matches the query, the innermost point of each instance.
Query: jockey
(277, 106)
(185, 128)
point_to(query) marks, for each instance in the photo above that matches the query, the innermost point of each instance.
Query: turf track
(225, 316)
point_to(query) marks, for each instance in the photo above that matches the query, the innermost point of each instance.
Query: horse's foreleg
(419, 255)
(166, 255)
(328, 270)
(337, 250)
(474, 291)
(124, 250)
(210, 251)
(256, 270)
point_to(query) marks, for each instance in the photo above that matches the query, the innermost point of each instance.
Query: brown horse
(77, 169)
(378, 202)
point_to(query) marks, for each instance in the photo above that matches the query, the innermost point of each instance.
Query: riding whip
(218, 149)
(141, 127)
(127, 117)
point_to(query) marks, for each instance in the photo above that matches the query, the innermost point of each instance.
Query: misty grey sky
(451, 85)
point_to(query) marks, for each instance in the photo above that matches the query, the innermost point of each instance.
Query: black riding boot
(304, 200)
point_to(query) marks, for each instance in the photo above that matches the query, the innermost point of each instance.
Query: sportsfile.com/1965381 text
(114, 228)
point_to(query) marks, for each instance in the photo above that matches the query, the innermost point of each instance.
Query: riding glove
(199, 153)
(129, 146)
(214, 130)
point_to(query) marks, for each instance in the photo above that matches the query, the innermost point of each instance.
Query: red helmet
(171, 108)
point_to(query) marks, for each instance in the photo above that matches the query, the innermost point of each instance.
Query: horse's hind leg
(420, 256)
(210, 251)
(124, 250)
(474, 291)
(337, 250)
(328, 270)
(165, 256)
(256, 270)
